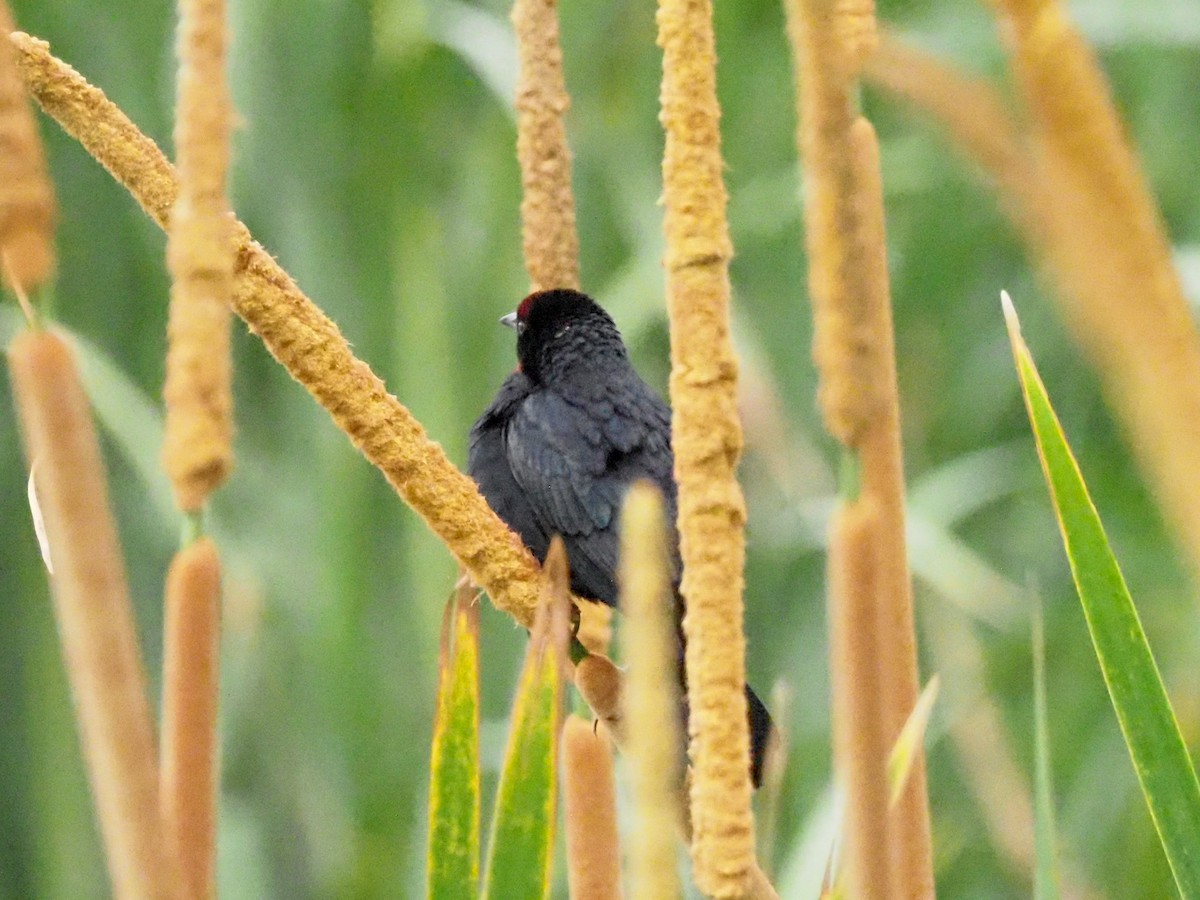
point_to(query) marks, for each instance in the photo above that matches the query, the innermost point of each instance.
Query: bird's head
(561, 331)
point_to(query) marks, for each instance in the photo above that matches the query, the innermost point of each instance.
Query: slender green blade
(910, 739)
(453, 864)
(522, 839)
(521, 848)
(1045, 876)
(1144, 712)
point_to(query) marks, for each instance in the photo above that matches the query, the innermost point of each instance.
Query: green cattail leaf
(1144, 712)
(522, 839)
(453, 865)
(521, 848)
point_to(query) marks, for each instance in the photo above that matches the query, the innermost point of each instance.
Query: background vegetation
(376, 160)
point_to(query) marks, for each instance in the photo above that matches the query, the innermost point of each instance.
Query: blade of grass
(1045, 874)
(453, 863)
(910, 740)
(521, 847)
(1143, 710)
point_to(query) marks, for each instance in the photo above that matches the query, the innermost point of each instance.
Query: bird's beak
(510, 320)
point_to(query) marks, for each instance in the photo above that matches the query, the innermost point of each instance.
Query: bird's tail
(760, 734)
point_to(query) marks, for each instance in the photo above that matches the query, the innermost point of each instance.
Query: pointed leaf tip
(461, 602)
(912, 736)
(1010, 317)
(552, 621)
(555, 567)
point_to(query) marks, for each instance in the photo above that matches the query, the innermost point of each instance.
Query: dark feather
(566, 436)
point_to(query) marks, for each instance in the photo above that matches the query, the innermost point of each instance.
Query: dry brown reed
(654, 733)
(197, 444)
(307, 344)
(882, 460)
(707, 438)
(889, 855)
(191, 628)
(836, 278)
(26, 195)
(590, 812)
(198, 434)
(1074, 190)
(549, 238)
(599, 683)
(859, 720)
(1107, 248)
(95, 615)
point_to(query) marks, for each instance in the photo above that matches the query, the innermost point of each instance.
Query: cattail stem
(95, 616)
(549, 237)
(882, 461)
(654, 734)
(190, 687)
(26, 195)
(590, 812)
(860, 739)
(307, 344)
(707, 438)
(855, 354)
(837, 278)
(599, 683)
(1074, 191)
(197, 444)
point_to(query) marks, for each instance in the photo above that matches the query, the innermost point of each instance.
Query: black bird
(566, 435)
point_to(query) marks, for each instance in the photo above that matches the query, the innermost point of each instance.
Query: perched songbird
(566, 436)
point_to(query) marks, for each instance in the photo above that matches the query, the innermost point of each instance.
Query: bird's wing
(487, 462)
(575, 461)
(558, 454)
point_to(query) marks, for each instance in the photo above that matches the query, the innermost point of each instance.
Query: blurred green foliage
(375, 158)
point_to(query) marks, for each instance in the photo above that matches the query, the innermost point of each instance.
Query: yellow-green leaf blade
(453, 864)
(521, 846)
(910, 740)
(522, 839)
(1144, 712)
